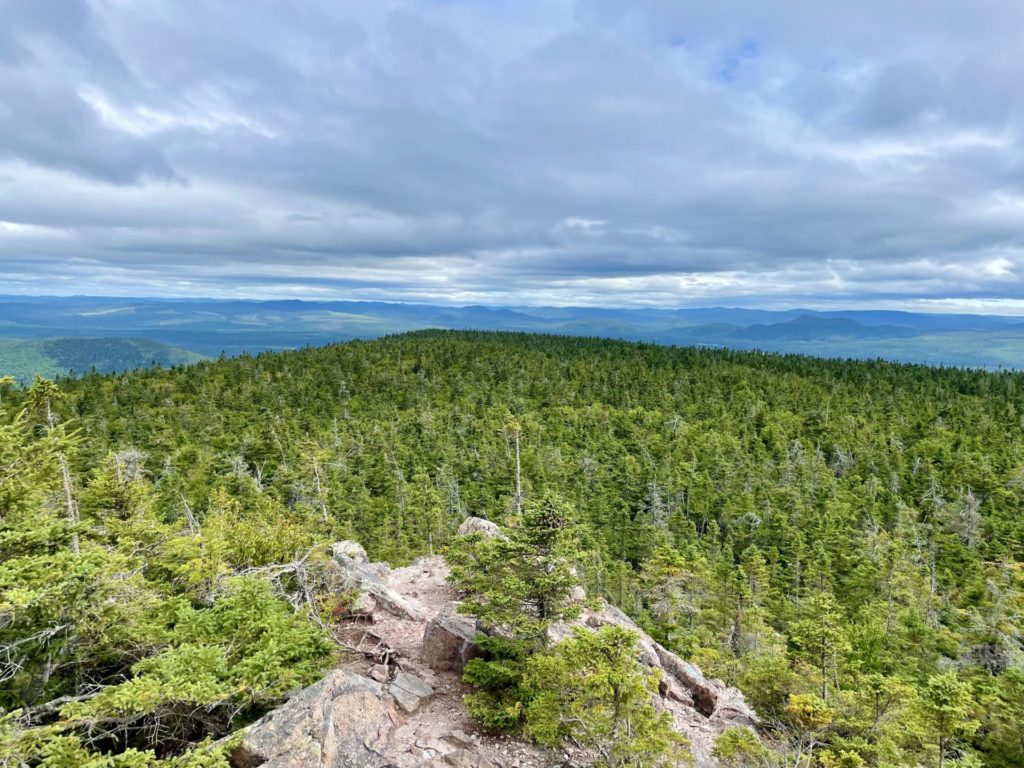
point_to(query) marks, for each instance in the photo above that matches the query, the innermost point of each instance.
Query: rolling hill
(210, 328)
(53, 358)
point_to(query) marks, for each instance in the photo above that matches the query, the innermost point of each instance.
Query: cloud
(504, 152)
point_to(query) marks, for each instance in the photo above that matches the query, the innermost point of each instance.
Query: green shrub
(593, 689)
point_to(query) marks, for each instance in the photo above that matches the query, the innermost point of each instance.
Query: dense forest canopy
(842, 540)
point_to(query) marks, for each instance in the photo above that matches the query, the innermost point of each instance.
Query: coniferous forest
(841, 540)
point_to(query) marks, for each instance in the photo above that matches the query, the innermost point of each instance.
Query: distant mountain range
(172, 331)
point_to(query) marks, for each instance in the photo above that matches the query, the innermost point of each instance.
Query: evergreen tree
(947, 707)
(593, 690)
(522, 581)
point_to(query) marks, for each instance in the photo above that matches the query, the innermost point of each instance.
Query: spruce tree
(516, 585)
(519, 583)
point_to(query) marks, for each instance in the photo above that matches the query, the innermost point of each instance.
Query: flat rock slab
(460, 739)
(413, 684)
(410, 691)
(344, 721)
(460, 758)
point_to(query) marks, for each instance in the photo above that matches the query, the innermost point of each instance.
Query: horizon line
(938, 311)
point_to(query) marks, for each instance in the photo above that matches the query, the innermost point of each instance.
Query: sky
(565, 152)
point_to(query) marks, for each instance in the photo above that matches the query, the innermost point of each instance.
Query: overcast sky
(760, 153)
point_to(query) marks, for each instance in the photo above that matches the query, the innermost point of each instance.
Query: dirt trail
(441, 725)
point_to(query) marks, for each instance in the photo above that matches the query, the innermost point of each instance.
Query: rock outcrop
(448, 643)
(460, 758)
(397, 701)
(410, 691)
(369, 580)
(701, 707)
(349, 550)
(481, 526)
(343, 721)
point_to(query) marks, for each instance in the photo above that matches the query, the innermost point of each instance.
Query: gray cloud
(650, 152)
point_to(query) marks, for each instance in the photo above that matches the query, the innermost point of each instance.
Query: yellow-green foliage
(521, 581)
(592, 688)
(741, 748)
(847, 529)
(114, 652)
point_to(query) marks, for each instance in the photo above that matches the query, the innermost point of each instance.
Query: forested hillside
(842, 540)
(24, 359)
